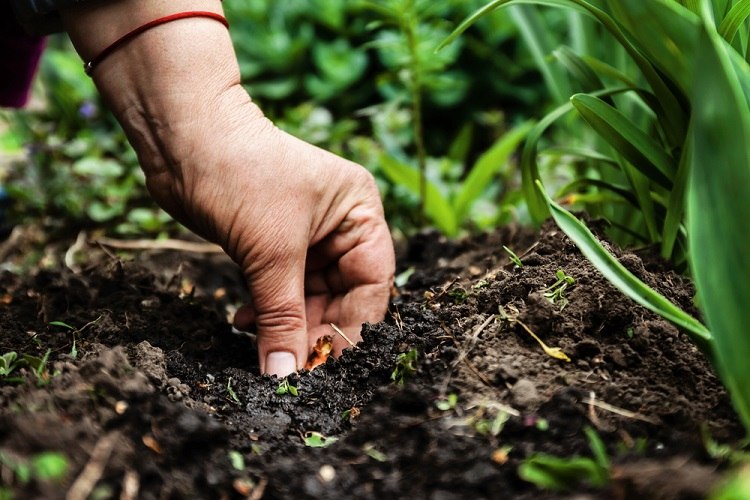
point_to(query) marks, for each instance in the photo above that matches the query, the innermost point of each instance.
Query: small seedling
(60, 323)
(515, 259)
(73, 351)
(558, 474)
(230, 391)
(237, 460)
(39, 367)
(286, 388)
(350, 415)
(374, 453)
(317, 440)
(9, 362)
(458, 294)
(492, 426)
(406, 366)
(447, 403)
(556, 292)
(45, 466)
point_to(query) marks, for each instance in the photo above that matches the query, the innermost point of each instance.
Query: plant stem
(410, 26)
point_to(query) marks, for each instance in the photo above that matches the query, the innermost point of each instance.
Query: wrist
(167, 81)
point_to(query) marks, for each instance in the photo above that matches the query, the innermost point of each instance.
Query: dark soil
(158, 390)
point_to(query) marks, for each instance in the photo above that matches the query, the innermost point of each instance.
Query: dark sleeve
(21, 53)
(40, 17)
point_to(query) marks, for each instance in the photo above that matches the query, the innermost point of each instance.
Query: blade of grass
(486, 167)
(647, 155)
(664, 30)
(535, 202)
(718, 211)
(676, 203)
(734, 19)
(437, 207)
(624, 280)
(541, 44)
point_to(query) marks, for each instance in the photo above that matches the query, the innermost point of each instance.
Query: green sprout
(515, 259)
(286, 388)
(558, 474)
(45, 466)
(555, 293)
(237, 460)
(317, 440)
(9, 362)
(230, 391)
(406, 366)
(447, 403)
(458, 294)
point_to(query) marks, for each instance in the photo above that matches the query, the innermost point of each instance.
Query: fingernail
(280, 363)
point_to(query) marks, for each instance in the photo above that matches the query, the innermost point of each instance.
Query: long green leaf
(624, 280)
(578, 69)
(436, 206)
(664, 30)
(529, 167)
(486, 167)
(647, 155)
(541, 44)
(734, 19)
(718, 211)
(676, 203)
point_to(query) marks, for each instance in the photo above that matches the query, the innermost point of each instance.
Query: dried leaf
(321, 351)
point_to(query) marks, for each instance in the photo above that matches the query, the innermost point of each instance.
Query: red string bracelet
(93, 63)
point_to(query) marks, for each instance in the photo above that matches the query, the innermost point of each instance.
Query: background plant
(675, 120)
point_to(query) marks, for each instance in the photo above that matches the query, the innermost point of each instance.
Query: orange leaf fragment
(321, 350)
(151, 443)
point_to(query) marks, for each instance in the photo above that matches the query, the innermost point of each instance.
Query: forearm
(163, 84)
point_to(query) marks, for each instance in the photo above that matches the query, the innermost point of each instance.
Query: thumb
(279, 302)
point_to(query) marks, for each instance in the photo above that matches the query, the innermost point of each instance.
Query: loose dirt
(160, 399)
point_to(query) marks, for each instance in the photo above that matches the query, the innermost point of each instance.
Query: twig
(131, 483)
(553, 352)
(92, 472)
(338, 330)
(70, 254)
(462, 357)
(168, 244)
(619, 411)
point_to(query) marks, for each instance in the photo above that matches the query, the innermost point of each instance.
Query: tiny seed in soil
(121, 407)
(327, 473)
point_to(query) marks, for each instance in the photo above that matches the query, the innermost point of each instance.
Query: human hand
(306, 226)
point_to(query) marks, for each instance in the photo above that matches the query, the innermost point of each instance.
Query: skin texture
(306, 226)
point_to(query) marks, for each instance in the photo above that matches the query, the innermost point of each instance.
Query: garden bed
(159, 399)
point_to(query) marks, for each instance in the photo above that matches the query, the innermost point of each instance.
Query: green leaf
(624, 280)
(579, 69)
(487, 166)
(676, 204)
(102, 167)
(560, 474)
(62, 324)
(665, 31)
(734, 19)
(643, 152)
(317, 440)
(668, 110)
(718, 211)
(237, 460)
(49, 466)
(535, 202)
(436, 206)
(541, 43)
